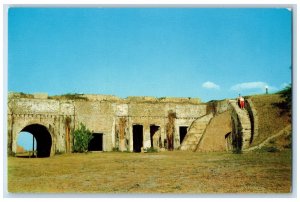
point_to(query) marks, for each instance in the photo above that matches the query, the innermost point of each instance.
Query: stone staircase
(195, 132)
(244, 123)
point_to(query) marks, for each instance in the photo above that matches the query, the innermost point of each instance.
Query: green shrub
(288, 146)
(74, 96)
(115, 149)
(150, 150)
(268, 149)
(288, 137)
(237, 151)
(286, 93)
(13, 154)
(272, 141)
(57, 152)
(82, 137)
(272, 149)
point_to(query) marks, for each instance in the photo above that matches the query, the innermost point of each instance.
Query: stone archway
(43, 139)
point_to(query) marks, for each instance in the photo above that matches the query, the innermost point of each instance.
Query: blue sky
(205, 53)
(25, 140)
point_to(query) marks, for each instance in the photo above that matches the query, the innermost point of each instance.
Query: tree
(82, 137)
(286, 93)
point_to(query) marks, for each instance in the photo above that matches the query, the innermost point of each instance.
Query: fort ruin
(132, 124)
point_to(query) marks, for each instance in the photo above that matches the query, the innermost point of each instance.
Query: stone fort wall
(111, 116)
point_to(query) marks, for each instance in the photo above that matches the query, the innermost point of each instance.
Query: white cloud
(251, 85)
(210, 85)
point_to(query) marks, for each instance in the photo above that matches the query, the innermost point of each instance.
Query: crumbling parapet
(217, 106)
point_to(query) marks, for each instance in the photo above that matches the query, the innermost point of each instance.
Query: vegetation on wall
(170, 127)
(69, 96)
(23, 95)
(82, 137)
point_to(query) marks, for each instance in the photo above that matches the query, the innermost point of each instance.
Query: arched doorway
(43, 139)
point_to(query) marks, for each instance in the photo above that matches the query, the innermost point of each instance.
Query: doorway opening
(43, 141)
(153, 130)
(137, 138)
(96, 144)
(182, 132)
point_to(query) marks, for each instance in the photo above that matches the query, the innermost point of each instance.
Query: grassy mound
(271, 117)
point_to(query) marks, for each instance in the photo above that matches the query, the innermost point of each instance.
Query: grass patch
(57, 152)
(115, 149)
(268, 149)
(163, 172)
(272, 141)
(150, 150)
(237, 151)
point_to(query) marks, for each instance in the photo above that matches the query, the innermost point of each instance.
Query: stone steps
(198, 127)
(195, 133)
(244, 120)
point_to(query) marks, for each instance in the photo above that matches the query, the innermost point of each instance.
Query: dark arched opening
(43, 139)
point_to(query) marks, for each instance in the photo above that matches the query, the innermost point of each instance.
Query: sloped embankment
(271, 118)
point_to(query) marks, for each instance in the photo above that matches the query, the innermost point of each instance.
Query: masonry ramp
(195, 132)
(214, 138)
(243, 123)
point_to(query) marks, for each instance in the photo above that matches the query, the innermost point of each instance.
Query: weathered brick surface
(101, 114)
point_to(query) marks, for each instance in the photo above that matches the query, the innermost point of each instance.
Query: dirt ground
(164, 172)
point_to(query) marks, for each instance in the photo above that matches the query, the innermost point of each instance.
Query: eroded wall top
(104, 105)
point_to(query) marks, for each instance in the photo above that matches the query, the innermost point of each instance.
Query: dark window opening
(96, 143)
(153, 130)
(182, 132)
(137, 138)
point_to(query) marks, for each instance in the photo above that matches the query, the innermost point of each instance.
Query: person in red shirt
(242, 102)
